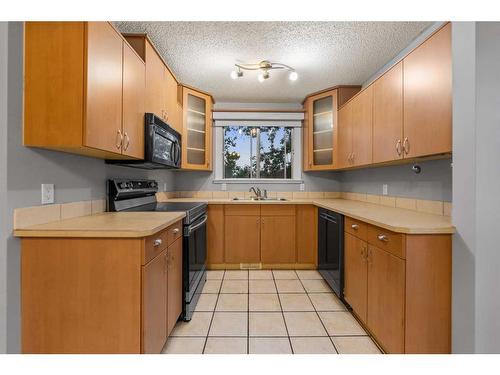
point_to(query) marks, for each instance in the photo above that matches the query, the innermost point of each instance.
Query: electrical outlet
(164, 186)
(384, 189)
(47, 193)
(223, 186)
(302, 187)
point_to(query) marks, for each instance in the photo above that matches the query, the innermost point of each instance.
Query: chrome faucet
(256, 191)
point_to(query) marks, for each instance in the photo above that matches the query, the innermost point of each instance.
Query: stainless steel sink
(260, 199)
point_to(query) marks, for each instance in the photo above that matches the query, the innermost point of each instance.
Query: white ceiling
(202, 54)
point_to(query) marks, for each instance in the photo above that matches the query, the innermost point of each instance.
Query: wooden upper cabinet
(134, 88)
(173, 108)
(322, 117)
(355, 274)
(306, 150)
(362, 128)
(155, 82)
(197, 130)
(174, 304)
(343, 153)
(386, 299)
(75, 90)
(428, 96)
(388, 116)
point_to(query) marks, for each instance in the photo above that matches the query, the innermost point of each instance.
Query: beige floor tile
(295, 302)
(309, 275)
(198, 326)
(206, 302)
(326, 302)
(260, 275)
(304, 324)
(266, 324)
(289, 286)
(236, 275)
(341, 323)
(262, 286)
(184, 345)
(215, 275)
(269, 345)
(212, 286)
(284, 274)
(229, 324)
(226, 345)
(355, 345)
(232, 302)
(264, 302)
(234, 286)
(312, 345)
(316, 286)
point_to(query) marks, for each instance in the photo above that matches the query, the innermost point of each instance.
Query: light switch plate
(223, 186)
(47, 193)
(384, 189)
(164, 186)
(302, 187)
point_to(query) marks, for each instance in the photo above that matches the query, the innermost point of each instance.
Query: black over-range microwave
(162, 146)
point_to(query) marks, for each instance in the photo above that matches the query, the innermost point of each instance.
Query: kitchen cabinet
(277, 235)
(105, 295)
(306, 225)
(154, 302)
(215, 234)
(344, 139)
(80, 78)
(388, 116)
(356, 274)
(197, 130)
(386, 298)
(428, 96)
(242, 239)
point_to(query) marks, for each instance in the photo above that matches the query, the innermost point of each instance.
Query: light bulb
(293, 76)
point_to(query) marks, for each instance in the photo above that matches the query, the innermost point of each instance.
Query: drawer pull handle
(175, 231)
(157, 242)
(355, 226)
(383, 237)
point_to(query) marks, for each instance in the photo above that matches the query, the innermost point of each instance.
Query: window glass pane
(240, 146)
(275, 152)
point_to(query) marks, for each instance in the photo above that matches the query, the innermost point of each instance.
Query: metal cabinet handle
(127, 141)
(157, 242)
(175, 230)
(383, 237)
(118, 142)
(398, 147)
(406, 146)
(355, 226)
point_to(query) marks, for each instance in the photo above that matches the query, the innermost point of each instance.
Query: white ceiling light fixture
(264, 67)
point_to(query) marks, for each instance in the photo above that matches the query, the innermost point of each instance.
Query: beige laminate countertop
(390, 218)
(107, 224)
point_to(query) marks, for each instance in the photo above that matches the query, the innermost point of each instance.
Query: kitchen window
(253, 147)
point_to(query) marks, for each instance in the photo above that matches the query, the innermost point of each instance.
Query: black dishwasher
(331, 249)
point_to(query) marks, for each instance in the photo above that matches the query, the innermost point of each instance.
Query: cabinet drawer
(242, 209)
(356, 228)
(277, 210)
(391, 242)
(158, 242)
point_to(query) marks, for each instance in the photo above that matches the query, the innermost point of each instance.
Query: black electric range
(140, 195)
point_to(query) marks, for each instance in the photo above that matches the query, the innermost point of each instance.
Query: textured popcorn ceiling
(202, 54)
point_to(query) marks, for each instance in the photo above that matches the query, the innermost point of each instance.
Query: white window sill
(257, 181)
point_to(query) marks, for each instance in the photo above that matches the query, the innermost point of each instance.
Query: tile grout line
(282, 313)
(248, 312)
(213, 312)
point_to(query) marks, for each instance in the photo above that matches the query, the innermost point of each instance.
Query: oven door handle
(193, 228)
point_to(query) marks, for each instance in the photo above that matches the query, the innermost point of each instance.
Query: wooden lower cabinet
(242, 239)
(386, 299)
(402, 293)
(100, 295)
(277, 239)
(215, 234)
(306, 232)
(356, 274)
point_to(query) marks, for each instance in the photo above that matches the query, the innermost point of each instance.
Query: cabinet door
(355, 274)
(174, 305)
(362, 128)
(322, 117)
(172, 112)
(306, 147)
(242, 239)
(277, 239)
(386, 299)
(215, 234)
(344, 137)
(197, 128)
(427, 96)
(155, 83)
(388, 116)
(134, 86)
(154, 304)
(306, 233)
(103, 125)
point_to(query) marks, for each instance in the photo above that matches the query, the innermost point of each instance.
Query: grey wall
(24, 169)
(476, 182)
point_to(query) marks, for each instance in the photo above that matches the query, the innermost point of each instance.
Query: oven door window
(163, 148)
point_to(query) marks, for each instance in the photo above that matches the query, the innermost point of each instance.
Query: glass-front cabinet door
(197, 130)
(321, 118)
